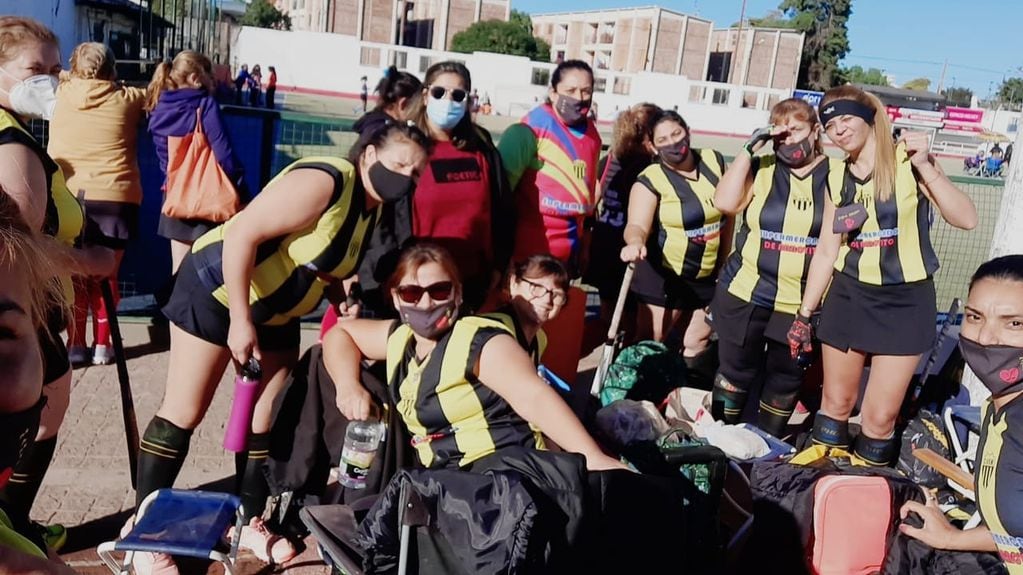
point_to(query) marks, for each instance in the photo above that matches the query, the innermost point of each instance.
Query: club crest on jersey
(579, 169)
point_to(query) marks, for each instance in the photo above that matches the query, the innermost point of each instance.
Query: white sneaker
(102, 355)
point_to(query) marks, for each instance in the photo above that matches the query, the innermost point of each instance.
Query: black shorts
(882, 320)
(732, 317)
(55, 358)
(659, 287)
(182, 230)
(193, 308)
(113, 224)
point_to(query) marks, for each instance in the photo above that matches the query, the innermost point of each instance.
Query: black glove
(761, 135)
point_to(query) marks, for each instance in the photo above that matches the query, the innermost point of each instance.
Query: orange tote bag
(197, 187)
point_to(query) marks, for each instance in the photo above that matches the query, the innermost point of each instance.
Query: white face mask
(35, 96)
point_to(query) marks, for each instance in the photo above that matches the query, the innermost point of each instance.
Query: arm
(940, 534)
(642, 208)
(518, 151)
(23, 177)
(505, 368)
(274, 213)
(735, 189)
(955, 207)
(823, 262)
(344, 347)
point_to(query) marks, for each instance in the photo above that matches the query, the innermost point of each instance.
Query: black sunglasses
(440, 291)
(457, 94)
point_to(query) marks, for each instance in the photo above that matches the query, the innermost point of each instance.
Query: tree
(824, 23)
(263, 14)
(514, 37)
(869, 77)
(773, 19)
(1011, 90)
(921, 84)
(961, 97)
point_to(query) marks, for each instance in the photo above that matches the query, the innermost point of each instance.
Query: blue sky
(906, 38)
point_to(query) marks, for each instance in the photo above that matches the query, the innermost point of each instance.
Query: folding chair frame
(229, 559)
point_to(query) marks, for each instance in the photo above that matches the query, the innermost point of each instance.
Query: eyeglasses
(457, 94)
(536, 290)
(440, 291)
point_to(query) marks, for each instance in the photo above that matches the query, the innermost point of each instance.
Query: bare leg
(179, 250)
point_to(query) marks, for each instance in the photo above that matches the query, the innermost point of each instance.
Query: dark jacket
(174, 115)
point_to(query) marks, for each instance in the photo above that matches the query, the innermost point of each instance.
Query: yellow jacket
(93, 136)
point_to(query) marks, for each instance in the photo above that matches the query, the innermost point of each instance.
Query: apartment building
(765, 57)
(419, 23)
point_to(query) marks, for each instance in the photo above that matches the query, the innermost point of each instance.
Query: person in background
(364, 94)
(991, 342)
(29, 66)
(875, 252)
(309, 228)
(93, 137)
(177, 90)
(240, 82)
(271, 87)
(255, 82)
(781, 197)
(551, 161)
(675, 235)
(631, 153)
(394, 95)
(29, 291)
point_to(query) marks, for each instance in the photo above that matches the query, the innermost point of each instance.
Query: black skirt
(883, 320)
(654, 285)
(182, 230)
(732, 316)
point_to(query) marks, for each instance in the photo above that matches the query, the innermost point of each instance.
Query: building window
(370, 57)
(541, 76)
(600, 84)
(401, 60)
(424, 64)
(607, 33)
(559, 56)
(622, 85)
(561, 34)
(591, 34)
(601, 60)
(718, 66)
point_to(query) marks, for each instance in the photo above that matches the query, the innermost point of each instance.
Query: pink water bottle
(246, 390)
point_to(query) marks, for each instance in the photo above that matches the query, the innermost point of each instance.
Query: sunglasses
(457, 94)
(536, 290)
(440, 291)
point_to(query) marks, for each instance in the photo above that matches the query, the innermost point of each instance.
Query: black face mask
(17, 432)
(675, 154)
(572, 110)
(390, 186)
(432, 321)
(998, 367)
(794, 155)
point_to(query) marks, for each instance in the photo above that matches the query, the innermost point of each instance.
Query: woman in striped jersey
(782, 198)
(875, 251)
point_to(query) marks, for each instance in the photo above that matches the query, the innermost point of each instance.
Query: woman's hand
(936, 532)
(760, 137)
(601, 462)
(354, 402)
(633, 252)
(917, 147)
(242, 341)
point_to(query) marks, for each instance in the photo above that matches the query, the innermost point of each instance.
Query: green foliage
(922, 84)
(514, 37)
(958, 96)
(1011, 90)
(825, 24)
(773, 19)
(869, 76)
(263, 14)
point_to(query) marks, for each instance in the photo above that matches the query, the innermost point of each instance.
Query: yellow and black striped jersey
(686, 233)
(999, 480)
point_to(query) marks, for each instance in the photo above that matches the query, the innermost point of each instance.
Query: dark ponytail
(394, 86)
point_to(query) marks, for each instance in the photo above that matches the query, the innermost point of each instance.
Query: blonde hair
(632, 128)
(884, 145)
(175, 75)
(38, 256)
(801, 111)
(92, 61)
(16, 31)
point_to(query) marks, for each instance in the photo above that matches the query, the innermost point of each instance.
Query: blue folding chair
(183, 523)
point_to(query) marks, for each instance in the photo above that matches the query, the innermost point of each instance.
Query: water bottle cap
(251, 370)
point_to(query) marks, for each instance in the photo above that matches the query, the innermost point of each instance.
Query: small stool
(183, 523)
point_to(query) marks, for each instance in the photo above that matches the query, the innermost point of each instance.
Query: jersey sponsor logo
(885, 238)
(456, 170)
(779, 242)
(704, 234)
(563, 208)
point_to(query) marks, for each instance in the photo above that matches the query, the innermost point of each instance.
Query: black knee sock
(20, 492)
(727, 401)
(163, 450)
(876, 452)
(700, 368)
(254, 489)
(775, 411)
(830, 432)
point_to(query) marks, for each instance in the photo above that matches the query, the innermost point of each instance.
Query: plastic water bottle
(362, 438)
(246, 390)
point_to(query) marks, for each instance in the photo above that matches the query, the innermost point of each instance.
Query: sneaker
(78, 355)
(102, 355)
(264, 544)
(55, 536)
(149, 563)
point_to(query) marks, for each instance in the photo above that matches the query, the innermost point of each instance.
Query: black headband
(836, 108)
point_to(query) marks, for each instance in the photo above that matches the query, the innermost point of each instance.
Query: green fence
(303, 135)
